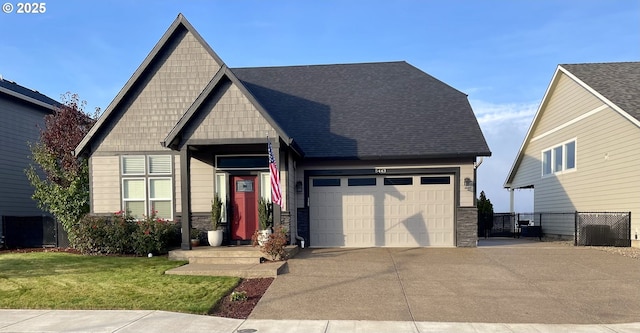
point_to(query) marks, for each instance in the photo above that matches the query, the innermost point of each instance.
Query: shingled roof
(24, 93)
(367, 110)
(619, 82)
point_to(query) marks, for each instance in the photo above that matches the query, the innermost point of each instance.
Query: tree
(485, 214)
(60, 180)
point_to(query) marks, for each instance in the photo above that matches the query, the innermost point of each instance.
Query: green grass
(69, 281)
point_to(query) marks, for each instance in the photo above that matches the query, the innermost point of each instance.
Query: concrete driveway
(505, 282)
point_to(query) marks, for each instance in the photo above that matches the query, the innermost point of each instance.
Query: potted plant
(194, 235)
(215, 236)
(265, 218)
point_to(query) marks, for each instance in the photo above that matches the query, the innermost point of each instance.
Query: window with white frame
(265, 186)
(147, 185)
(221, 191)
(560, 158)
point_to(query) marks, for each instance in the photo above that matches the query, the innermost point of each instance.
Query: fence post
(575, 228)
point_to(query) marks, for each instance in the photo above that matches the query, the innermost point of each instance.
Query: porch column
(511, 202)
(185, 194)
(276, 153)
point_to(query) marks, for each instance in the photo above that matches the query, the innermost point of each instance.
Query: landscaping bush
(121, 234)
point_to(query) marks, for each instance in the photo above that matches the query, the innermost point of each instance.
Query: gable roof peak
(175, 28)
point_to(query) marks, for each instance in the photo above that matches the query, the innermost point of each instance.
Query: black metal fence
(603, 229)
(589, 228)
(32, 231)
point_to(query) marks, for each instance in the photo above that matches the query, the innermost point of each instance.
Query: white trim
(571, 122)
(564, 158)
(142, 199)
(144, 165)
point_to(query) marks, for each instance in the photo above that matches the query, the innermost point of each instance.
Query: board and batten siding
(173, 81)
(105, 184)
(202, 189)
(606, 174)
(18, 127)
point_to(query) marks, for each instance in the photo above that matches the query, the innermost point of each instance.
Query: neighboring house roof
(15, 90)
(367, 110)
(617, 84)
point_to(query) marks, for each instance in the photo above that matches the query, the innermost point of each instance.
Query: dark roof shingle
(619, 82)
(24, 91)
(367, 110)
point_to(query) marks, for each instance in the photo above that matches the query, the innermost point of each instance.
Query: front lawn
(69, 281)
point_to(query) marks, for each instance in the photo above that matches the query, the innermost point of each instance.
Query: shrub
(274, 246)
(121, 234)
(153, 235)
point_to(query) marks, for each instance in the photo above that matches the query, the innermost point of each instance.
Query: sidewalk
(161, 321)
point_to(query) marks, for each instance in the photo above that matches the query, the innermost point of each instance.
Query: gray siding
(202, 189)
(18, 126)
(233, 116)
(177, 78)
(105, 184)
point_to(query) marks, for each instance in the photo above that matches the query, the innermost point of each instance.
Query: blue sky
(502, 53)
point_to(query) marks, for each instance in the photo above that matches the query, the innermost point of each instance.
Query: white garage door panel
(382, 215)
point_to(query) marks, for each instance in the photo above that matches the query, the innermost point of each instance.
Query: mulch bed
(254, 288)
(40, 249)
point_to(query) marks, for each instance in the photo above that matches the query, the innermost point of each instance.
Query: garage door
(393, 211)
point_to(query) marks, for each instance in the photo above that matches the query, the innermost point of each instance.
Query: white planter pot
(214, 237)
(263, 236)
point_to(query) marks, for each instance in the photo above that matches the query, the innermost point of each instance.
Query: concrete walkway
(160, 321)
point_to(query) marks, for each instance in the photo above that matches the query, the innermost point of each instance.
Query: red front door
(244, 198)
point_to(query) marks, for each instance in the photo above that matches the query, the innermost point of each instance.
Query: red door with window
(245, 207)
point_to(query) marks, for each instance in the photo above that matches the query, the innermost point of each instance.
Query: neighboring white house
(580, 153)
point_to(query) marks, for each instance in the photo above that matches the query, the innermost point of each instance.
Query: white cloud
(504, 127)
(493, 117)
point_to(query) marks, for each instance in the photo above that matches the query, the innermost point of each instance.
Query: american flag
(274, 175)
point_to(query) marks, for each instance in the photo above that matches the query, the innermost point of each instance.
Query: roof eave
(28, 99)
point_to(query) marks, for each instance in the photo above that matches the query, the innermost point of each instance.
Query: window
(221, 191)
(398, 181)
(326, 182)
(558, 159)
(435, 180)
(147, 185)
(265, 186)
(361, 182)
(546, 162)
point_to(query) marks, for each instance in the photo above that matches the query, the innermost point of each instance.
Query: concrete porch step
(225, 260)
(247, 271)
(240, 261)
